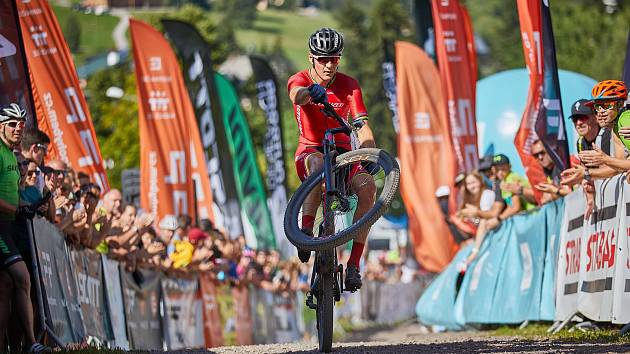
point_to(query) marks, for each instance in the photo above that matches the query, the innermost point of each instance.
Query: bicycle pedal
(309, 301)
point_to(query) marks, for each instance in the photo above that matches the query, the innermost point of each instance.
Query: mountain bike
(333, 223)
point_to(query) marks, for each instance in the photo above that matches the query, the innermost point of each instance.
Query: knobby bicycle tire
(307, 242)
(325, 307)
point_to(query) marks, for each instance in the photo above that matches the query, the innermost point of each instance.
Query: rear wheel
(386, 175)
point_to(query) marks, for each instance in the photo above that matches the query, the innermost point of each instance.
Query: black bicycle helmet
(326, 42)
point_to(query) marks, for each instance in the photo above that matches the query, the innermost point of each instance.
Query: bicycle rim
(386, 177)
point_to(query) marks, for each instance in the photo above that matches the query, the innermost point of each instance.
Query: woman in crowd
(479, 208)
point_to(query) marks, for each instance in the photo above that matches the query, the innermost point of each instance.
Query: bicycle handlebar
(329, 110)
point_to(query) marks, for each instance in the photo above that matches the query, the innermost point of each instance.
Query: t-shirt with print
(344, 94)
(507, 196)
(9, 180)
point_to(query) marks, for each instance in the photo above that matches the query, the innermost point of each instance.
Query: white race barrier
(593, 267)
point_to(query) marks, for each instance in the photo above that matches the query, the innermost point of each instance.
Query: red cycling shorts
(302, 170)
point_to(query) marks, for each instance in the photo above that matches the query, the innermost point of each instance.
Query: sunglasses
(15, 124)
(326, 60)
(576, 119)
(42, 146)
(539, 154)
(32, 173)
(604, 107)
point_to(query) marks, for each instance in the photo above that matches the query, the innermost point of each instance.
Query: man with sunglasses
(551, 188)
(609, 154)
(14, 274)
(308, 89)
(34, 146)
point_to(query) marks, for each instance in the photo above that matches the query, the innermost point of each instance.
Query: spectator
(479, 209)
(551, 188)
(585, 124)
(34, 146)
(513, 187)
(609, 154)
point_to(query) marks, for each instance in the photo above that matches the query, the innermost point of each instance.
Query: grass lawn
(291, 27)
(96, 32)
(537, 331)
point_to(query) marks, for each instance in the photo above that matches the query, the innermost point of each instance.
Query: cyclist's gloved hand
(25, 211)
(317, 93)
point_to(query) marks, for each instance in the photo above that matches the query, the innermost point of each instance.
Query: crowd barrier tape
(593, 265)
(506, 283)
(91, 296)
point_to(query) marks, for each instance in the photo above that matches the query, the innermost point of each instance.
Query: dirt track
(408, 339)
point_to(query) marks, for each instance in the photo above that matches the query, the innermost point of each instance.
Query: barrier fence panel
(396, 301)
(212, 330)
(547, 294)
(115, 305)
(436, 306)
(285, 317)
(568, 270)
(506, 282)
(183, 318)
(88, 274)
(142, 309)
(261, 305)
(242, 315)
(597, 259)
(60, 287)
(621, 285)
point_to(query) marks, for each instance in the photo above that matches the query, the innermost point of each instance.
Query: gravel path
(409, 339)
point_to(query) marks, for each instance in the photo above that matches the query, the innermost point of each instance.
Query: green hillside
(292, 28)
(96, 32)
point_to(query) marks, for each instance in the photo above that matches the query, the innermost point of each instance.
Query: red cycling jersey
(344, 94)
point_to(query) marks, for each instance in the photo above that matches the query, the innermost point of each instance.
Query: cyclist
(12, 119)
(307, 90)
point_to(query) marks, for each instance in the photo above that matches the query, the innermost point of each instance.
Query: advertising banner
(599, 251)
(212, 329)
(568, 268)
(455, 50)
(269, 102)
(115, 304)
(14, 76)
(436, 305)
(62, 296)
(242, 315)
(262, 310)
(621, 283)
(183, 318)
(258, 228)
(199, 78)
(62, 111)
(142, 309)
(88, 274)
(426, 156)
(169, 139)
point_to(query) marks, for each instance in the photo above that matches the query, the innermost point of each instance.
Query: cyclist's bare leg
(365, 189)
(22, 299)
(6, 294)
(314, 162)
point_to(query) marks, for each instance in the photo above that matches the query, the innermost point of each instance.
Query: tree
(72, 32)
(220, 36)
(366, 38)
(115, 120)
(588, 39)
(241, 12)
